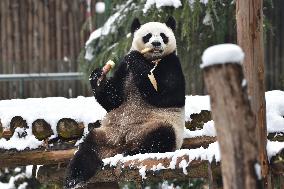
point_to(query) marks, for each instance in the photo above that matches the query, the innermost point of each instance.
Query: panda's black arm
(169, 77)
(140, 67)
(110, 91)
(171, 83)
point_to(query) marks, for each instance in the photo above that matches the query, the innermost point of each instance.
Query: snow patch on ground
(220, 54)
(161, 3)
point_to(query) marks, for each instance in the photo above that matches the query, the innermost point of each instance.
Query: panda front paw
(134, 56)
(96, 73)
(93, 78)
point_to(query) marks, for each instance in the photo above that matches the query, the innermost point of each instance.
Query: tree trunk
(250, 39)
(235, 125)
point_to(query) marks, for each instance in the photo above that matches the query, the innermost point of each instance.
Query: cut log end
(69, 129)
(17, 122)
(41, 129)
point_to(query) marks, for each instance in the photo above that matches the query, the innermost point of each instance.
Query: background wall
(41, 36)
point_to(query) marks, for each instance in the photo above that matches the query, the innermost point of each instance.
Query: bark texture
(235, 125)
(250, 39)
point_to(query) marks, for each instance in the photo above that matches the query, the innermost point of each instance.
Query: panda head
(155, 35)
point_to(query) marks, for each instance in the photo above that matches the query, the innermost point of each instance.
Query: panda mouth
(157, 50)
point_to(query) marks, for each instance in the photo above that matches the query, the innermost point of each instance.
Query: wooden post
(250, 39)
(234, 122)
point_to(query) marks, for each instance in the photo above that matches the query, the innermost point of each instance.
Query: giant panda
(139, 119)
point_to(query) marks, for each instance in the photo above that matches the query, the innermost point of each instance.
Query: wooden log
(35, 157)
(41, 129)
(235, 125)
(204, 141)
(69, 129)
(24, 157)
(249, 16)
(32, 157)
(7, 134)
(17, 121)
(129, 171)
(1, 129)
(198, 120)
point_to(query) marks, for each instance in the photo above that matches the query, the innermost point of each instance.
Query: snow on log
(222, 54)
(232, 115)
(129, 172)
(129, 168)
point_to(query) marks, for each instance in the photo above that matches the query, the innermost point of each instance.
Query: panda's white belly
(135, 112)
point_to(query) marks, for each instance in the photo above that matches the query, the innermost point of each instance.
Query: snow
(161, 3)
(108, 27)
(100, 7)
(81, 109)
(23, 185)
(194, 105)
(257, 169)
(275, 111)
(220, 54)
(209, 154)
(273, 148)
(183, 164)
(204, 2)
(207, 130)
(207, 20)
(87, 110)
(20, 143)
(142, 172)
(52, 109)
(13, 179)
(191, 2)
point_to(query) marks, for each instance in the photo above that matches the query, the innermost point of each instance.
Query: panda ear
(135, 25)
(171, 23)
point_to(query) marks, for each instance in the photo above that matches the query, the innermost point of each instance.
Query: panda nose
(156, 44)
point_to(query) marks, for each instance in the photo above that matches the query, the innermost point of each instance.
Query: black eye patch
(164, 37)
(147, 37)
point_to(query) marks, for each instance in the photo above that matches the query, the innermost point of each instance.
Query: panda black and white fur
(139, 119)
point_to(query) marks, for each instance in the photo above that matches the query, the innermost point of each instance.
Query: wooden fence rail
(22, 78)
